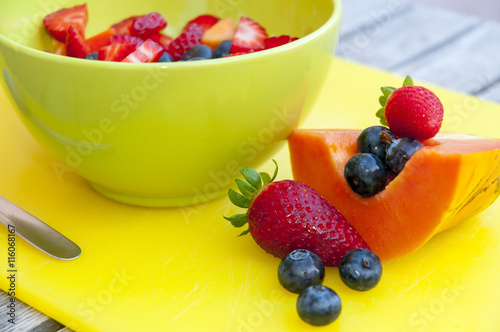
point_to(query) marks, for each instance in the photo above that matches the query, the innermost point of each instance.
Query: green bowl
(166, 134)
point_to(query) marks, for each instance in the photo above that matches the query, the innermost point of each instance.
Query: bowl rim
(48, 56)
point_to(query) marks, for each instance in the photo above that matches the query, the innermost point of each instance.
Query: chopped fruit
(461, 171)
(149, 51)
(147, 25)
(165, 57)
(161, 39)
(116, 52)
(125, 39)
(411, 111)
(237, 53)
(360, 269)
(75, 43)
(223, 49)
(399, 152)
(222, 30)
(59, 48)
(124, 27)
(186, 40)
(365, 173)
(287, 215)
(299, 270)
(92, 56)
(319, 305)
(250, 36)
(58, 23)
(278, 41)
(369, 141)
(198, 51)
(205, 21)
(102, 39)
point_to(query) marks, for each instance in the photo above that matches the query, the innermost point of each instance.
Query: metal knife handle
(36, 232)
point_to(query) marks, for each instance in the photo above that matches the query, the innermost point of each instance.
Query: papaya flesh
(451, 178)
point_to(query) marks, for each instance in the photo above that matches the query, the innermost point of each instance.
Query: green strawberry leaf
(381, 115)
(408, 81)
(238, 199)
(275, 171)
(245, 188)
(245, 232)
(266, 178)
(252, 176)
(387, 90)
(238, 220)
(382, 100)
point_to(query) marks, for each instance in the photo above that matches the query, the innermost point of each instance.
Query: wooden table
(444, 47)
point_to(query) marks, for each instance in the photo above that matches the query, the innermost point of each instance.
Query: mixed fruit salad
(360, 197)
(140, 39)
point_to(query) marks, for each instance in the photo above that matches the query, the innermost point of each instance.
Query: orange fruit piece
(224, 29)
(450, 179)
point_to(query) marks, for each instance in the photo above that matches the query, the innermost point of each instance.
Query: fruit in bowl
(166, 134)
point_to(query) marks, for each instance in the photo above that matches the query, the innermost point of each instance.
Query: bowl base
(157, 201)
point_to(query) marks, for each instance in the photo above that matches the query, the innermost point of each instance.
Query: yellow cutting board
(146, 269)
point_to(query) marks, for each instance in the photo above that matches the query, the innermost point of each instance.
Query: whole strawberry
(287, 215)
(411, 111)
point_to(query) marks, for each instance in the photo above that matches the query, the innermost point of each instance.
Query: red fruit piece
(57, 23)
(205, 21)
(162, 39)
(250, 36)
(187, 39)
(147, 25)
(116, 52)
(94, 43)
(287, 215)
(412, 111)
(149, 51)
(125, 39)
(123, 27)
(75, 43)
(278, 41)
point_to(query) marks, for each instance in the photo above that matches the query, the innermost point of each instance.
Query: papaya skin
(452, 178)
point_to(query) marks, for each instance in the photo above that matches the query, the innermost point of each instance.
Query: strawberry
(125, 39)
(187, 39)
(278, 41)
(124, 26)
(147, 25)
(161, 39)
(287, 215)
(57, 23)
(149, 51)
(250, 36)
(411, 111)
(75, 43)
(205, 21)
(116, 52)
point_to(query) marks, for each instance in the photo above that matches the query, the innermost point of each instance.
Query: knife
(36, 232)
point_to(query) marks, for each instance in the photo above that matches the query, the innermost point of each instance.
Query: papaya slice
(224, 29)
(453, 177)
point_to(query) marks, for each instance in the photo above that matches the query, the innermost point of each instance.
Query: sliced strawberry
(205, 21)
(100, 40)
(147, 25)
(250, 36)
(149, 51)
(59, 48)
(278, 41)
(187, 39)
(116, 52)
(125, 39)
(123, 27)
(161, 39)
(57, 23)
(75, 43)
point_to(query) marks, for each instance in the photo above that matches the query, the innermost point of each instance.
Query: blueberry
(222, 49)
(319, 305)
(198, 51)
(365, 173)
(91, 56)
(360, 269)
(398, 152)
(300, 269)
(369, 141)
(165, 57)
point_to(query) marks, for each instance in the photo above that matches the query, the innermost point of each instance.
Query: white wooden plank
(400, 39)
(467, 64)
(491, 93)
